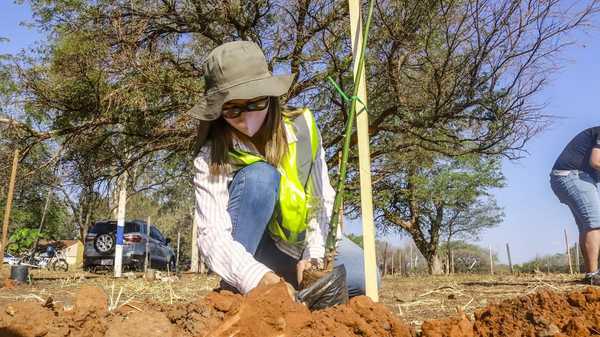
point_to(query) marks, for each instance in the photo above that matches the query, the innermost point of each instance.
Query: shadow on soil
(9, 333)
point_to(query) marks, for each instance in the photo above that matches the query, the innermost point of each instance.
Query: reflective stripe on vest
(294, 186)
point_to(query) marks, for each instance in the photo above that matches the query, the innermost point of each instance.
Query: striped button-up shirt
(229, 258)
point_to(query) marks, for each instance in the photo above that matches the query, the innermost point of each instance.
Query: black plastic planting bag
(327, 291)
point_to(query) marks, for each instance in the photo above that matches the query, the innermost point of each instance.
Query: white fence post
(122, 183)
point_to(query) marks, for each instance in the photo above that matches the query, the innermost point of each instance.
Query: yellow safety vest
(295, 185)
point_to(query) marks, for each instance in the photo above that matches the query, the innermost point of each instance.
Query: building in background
(73, 250)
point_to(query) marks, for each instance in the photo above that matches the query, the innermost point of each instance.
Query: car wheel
(104, 243)
(60, 265)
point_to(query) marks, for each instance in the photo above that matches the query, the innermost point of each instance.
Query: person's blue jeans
(253, 200)
(579, 191)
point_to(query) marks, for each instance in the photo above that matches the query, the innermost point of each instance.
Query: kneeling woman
(263, 196)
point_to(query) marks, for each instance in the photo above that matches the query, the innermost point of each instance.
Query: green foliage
(434, 198)
(22, 240)
(468, 257)
(108, 89)
(552, 263)
(34, 181)
(358, 239)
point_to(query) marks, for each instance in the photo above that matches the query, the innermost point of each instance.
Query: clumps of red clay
(269, 312)
(265, 312)
(545, 313)
(8, 284)
(28, 319)
(542, 314)
(451, 327)
(142, 324)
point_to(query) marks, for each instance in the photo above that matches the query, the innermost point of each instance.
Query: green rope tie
(345, 96)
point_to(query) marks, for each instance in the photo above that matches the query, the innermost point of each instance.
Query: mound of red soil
(142, 324)
(269, 311)
(8, 284)
(29, 319)
(266, 311)
(452, 327)
(542, 314)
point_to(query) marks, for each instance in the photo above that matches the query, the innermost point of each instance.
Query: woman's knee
(260, 179)
(253, 196)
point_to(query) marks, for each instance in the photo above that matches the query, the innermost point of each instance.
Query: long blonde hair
(271, 137)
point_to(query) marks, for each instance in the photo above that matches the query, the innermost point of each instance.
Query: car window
(162, 238)
(155, 234)
(143, 227)
(131, 227)
(102, 227)
(111, 226)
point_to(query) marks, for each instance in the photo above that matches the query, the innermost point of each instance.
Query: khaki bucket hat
(236, 70)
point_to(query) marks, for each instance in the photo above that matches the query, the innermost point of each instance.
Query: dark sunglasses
(236, 111)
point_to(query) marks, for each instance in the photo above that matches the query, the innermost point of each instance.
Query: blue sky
(11, 17)
(535, 220)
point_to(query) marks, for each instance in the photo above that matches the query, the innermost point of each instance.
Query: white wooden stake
(385, 259)
(122, 183)
(411, 265)
(401, 262)
(362, 128)
(147, 257)
(393, 252)
(194, 266)
(177, 258)
(491, 261)
(510, 265)
(568, 253)
(577, 262)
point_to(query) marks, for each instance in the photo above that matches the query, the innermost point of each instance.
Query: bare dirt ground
(453, 306)
(420, 298)
(128, 289)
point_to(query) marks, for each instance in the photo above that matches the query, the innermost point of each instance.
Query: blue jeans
(579, 191)
(253, 200)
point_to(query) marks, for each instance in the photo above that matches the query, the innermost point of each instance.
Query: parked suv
(100, 242)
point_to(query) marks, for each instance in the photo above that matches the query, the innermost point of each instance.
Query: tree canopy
(451, 92)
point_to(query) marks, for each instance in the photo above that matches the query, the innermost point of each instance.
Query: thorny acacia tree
(31, 190)
(111, 87)
(446, 78)
(433, 197)
(455, 78)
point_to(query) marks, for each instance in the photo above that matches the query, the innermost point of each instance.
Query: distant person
(575, 180)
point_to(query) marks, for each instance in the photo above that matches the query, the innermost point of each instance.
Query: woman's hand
(272, 278)
(305, 265)
(268, 279)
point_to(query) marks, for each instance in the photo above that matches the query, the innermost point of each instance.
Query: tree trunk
(81, 225)
(385, 259)
(195, 255)
(434, 265)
